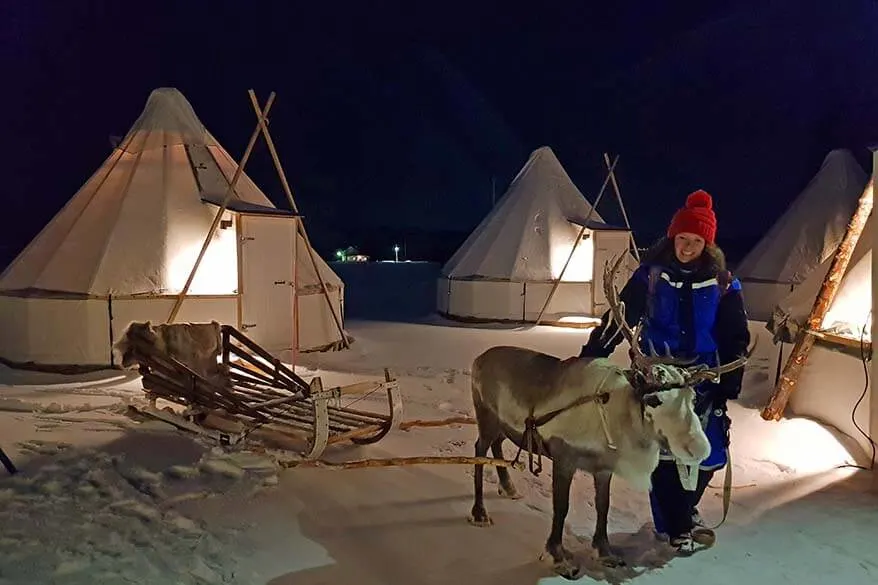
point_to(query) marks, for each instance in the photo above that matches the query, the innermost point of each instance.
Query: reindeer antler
(700, 373)
(656, 358)
(617, 311)
(639, 360)
(617, 306)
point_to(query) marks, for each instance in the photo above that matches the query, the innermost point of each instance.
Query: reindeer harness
(533, 442)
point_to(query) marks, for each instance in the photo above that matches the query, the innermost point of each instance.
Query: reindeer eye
(652, 400)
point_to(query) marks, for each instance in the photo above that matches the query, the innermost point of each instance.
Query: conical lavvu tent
(507, 267)
(802, 241)
(122, 248)
(849, 315)
(832, 386)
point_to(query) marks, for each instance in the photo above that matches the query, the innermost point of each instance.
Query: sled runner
(251, 391)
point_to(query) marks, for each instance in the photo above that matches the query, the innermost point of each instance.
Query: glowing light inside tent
(850, 312)
(581, 267)
(218, 271)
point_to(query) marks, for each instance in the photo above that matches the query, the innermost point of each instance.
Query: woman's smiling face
(688, 247)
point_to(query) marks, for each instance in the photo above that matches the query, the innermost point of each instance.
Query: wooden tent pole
(300, 224)
(621, 205)
(575, 244)
(793, 368)
(219, 213)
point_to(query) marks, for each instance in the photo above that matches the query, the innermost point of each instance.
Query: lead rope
(605, 425)
(727, 493)
(689, 479)
(602, 410)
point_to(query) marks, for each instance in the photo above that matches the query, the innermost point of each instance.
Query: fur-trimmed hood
(712, 261)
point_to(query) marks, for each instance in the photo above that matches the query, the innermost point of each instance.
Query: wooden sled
(252, 390)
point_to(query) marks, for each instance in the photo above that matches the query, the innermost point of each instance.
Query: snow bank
(108, 515)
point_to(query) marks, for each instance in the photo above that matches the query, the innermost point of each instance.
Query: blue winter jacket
(696, 312)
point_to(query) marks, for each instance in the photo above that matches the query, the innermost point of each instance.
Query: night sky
(392, 119)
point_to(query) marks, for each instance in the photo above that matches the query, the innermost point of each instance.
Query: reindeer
(196, 345)
(587, 414)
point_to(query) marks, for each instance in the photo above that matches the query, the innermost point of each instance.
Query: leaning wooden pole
(557, 282)
(621, 204)
(219, 212)
(300, 224)
(793, 368)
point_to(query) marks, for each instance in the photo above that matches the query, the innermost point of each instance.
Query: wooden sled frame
(253, 389)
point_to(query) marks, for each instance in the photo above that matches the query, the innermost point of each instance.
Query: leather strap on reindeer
(533, 442)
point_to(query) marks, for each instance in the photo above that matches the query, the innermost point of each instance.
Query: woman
(690, 304)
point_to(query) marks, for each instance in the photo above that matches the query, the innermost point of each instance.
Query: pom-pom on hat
(697, 217)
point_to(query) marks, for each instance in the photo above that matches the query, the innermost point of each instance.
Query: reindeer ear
(652, 400)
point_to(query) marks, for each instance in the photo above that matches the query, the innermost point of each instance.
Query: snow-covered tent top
(809, 231)
(515, 242)
(125, 227)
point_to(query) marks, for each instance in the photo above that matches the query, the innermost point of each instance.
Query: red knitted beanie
(696, 218)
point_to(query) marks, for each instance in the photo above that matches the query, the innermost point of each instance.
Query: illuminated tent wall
(801, 243)
(506, 268)
(833, 378)
(125, 243)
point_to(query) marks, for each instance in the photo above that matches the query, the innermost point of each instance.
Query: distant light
(339, 254)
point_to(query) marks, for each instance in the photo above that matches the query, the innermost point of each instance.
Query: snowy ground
(105, 498)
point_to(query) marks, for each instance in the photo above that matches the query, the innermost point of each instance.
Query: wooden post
(575, 244)
(219, 213)
(621, 204)
(793, 368)
(300, 224)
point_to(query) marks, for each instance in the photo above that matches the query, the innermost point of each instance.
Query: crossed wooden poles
(610, 178)
(261, 128)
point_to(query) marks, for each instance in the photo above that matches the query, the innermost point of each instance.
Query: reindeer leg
(479, 516)
(601, 541)
(564, 563)
(507, 488)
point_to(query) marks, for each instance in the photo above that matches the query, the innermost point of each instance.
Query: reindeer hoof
(479, 518)
(606, 556)
(563, 563)
(509, 492)
(611, 561)
(567, 568)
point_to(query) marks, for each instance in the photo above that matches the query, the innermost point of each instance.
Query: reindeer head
(666, 384)
(124, 347)
(667, 401)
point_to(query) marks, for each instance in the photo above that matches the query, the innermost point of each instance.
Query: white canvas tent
(506, 268)
(122, 248)
(801, 243)
(849, 312)
(832, 381)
